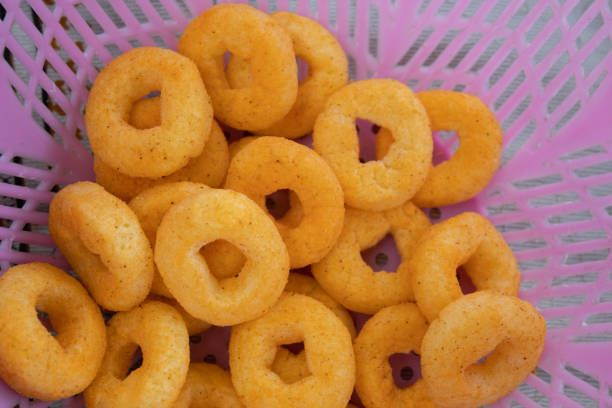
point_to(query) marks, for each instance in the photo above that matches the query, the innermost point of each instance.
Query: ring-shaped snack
(384, 184)
(32, 361)
(151, 205)
(394, 329)
(101, 238)
(208, 168)
(186, 113)
(253, 35)
(206, 217)
(207, 386)
(328, 348)
(327, 72)
(345, 276)
(467, 240)
(268, 164)
(159, 331)
(466, 330)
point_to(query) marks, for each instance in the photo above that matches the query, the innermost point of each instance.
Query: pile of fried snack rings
(159, 242)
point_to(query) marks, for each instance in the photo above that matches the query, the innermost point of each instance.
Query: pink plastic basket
(542, 66)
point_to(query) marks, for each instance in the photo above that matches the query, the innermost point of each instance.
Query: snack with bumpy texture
(394, 329)
(160, 332)
(206, 217)
(472, 166)
(384, 184)
(207, 386)
(467, 240)
(327, 72)
(250, 34)
(293, 367)
(345, 276)
(151, 205)
(186, 113)
(464, 332)
(101, 238)
(268, 164)
(329, 354)
(208, 168)
(32, 361)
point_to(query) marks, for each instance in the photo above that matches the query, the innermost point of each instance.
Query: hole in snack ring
(406, 369)
(223, 258)
(467, 286)
(44, 319)
(290, 363)
(285, 206)
(136, 361)
(367, 140)
(294, 348)
(383, 256)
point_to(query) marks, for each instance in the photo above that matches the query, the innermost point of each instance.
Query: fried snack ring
(345, 276)
(160, 332)
(375, 185)
(102, 240)
(394, 329)
(291, 367)
(32, 362)
(151, 205)
(193, 325)
(207, 386)
(208, 168)
(470, 240)
(186, 113)
(268, 164)
(329, 354)
(209, 216)
(327, 72)
(465, 331)
(248, 33)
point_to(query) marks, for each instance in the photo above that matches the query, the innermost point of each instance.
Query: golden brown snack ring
(207, 386)
(375, 185)
(327, 72)
(160, 332)
(186, 113)
(208, 168)
(151, 205)
(394, 329)
(268, 164)
(345, 276)
(102, 240)
(470, 240)
(32, 361)
(209, 216)
(329, 355)
(248, 33)
(193, 325)
(464, 332)
(293, 367)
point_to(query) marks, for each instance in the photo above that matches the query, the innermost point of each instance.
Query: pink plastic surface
(542, 66)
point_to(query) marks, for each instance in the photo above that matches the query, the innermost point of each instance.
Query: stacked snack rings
(268, 164)
(208, 168)
(209, 216)
(376, 185)
(104, 243)
(349, 280)
(328, 351)
(327, 72)
(160, 332)
(186, 113)
(32, 361)
(256, 37)
(467, 330)
(467, 240)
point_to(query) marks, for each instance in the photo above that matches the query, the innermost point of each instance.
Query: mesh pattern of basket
(542, 66)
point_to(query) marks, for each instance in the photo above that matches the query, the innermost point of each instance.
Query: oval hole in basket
(406, 368)
(383, 256)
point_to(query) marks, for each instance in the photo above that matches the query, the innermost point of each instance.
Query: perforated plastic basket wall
(542, 66)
